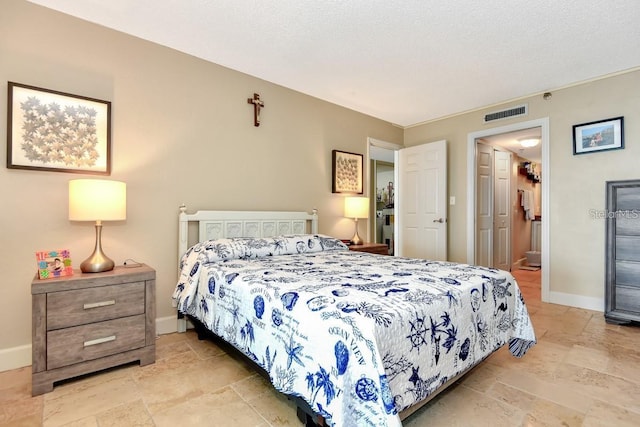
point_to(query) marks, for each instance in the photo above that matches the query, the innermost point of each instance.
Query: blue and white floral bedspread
(360, 337)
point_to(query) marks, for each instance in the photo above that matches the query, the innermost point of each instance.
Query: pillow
(249, 247)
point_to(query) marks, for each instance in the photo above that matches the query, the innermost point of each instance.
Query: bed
(354, 338)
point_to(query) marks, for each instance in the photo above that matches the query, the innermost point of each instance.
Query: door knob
(440, 220)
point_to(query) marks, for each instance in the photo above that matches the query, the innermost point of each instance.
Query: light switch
(452, 200)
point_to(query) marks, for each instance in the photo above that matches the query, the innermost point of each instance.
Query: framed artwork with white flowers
(56, 131)
(347, 173)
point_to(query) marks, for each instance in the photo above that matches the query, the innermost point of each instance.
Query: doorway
(420, 174)
(383, 202)
(472, 184)
(382, 174)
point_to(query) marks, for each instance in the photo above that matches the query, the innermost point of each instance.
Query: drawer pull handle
(99, 341)
(99, 304)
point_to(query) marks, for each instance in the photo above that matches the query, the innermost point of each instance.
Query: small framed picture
(346, 172)
(598, 136)
(54, 264)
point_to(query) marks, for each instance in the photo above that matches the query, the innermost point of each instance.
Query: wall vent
(517, 111)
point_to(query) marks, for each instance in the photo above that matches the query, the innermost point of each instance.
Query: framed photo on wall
(346, 172)
(55, 131)
(598, 136)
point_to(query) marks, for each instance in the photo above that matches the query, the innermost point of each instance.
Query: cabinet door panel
(82, 306)
(628, 198)
(628, 274)
(628, 224)
(628, 299)
(81, 343)
(628, 248)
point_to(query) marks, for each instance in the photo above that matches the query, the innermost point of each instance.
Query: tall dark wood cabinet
(622, 293)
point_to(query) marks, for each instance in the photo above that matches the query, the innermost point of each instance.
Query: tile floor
(582, 372)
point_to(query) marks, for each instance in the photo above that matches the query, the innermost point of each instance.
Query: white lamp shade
(356, 207)
(97, 200)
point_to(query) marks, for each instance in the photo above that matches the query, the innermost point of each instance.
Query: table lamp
(356, 207)
(97, 200)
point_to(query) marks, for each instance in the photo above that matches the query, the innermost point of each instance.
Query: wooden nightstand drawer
(82, 306)
(87, 342)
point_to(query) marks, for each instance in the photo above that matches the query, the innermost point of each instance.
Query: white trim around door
(471, 191)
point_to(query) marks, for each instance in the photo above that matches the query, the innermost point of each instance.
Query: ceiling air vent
(517, 111)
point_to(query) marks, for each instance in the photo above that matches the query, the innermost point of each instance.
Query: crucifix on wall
(257, 105)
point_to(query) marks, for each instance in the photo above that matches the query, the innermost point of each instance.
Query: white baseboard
(572, 300)
(166, 325)
(15, 357)
(18, 357)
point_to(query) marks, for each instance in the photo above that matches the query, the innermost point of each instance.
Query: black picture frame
(347, 171)
(48, 130)
(601, 135)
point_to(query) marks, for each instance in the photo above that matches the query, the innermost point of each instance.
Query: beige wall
(577, 183)
(182, 133)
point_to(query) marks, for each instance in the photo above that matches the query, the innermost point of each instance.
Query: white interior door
(484, 209)
(502, 210)
(422, 201)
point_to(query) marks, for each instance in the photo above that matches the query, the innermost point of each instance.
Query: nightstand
(372, 248)
(91, 321)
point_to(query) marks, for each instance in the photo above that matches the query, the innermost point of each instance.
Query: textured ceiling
(403, 61)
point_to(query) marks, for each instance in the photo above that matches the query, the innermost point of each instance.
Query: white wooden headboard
(221, 224)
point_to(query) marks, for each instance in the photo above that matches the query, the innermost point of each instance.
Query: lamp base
(98, 261)
(356, 239)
